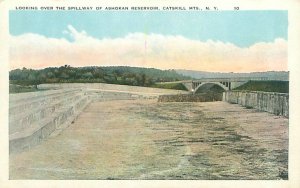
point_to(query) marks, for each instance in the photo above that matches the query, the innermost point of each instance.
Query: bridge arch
(213, 83)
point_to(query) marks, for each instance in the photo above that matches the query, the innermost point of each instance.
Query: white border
(293, 7)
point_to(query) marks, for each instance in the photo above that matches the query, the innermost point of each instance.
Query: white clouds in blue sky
(164, 51)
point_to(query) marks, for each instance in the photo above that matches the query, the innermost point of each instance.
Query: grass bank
(22, 89)
(267, 86)
(177, 86)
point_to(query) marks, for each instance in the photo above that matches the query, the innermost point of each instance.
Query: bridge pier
(188, 86)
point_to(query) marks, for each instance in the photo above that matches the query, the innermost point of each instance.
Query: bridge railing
(237, 79)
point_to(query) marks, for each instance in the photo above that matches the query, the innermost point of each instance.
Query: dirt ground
(144, 139)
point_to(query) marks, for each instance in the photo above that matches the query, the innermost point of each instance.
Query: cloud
(145, 50)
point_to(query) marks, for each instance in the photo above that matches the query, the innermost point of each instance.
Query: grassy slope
(267, 86)
(22, 89)
(177, 86)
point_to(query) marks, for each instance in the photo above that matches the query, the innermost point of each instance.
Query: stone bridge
(225, 83)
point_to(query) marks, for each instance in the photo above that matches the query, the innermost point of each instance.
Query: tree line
(123, 75)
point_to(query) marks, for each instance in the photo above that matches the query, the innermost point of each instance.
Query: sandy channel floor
(144, 139)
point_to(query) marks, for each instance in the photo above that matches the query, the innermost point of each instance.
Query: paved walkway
(143, 139)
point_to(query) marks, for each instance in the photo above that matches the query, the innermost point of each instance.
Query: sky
(223, 41)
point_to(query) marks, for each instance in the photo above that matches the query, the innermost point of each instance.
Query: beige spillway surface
(143, 139)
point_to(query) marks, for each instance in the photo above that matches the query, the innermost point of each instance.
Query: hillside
(113, 75)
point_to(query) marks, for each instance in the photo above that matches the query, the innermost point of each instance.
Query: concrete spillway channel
(34, 116)
(123, 132)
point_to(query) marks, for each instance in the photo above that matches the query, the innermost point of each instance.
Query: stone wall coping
(264, 92)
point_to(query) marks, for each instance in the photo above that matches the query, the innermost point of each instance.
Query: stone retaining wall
(275, 103)
(190, 98)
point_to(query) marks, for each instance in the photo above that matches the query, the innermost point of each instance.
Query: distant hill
(272, 75)
(124, 75)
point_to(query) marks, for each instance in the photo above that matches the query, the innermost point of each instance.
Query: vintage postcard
(190, 94)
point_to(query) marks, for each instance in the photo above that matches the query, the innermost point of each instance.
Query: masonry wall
(275, 103)
(190, 98)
